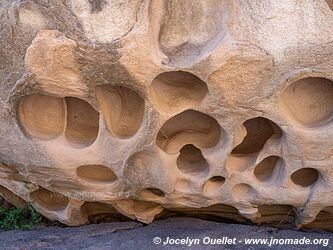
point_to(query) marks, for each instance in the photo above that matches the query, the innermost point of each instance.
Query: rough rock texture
(146, 108)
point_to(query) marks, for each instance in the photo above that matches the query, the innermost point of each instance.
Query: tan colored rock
(112, 110)
(51, 58)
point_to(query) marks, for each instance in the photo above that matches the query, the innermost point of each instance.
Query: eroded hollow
(49, 200)
(184, 37)
(152, 192)
(323, 221)
(188, 127)
(191, 160)
(309, 101)
(305, 176)
(277, 215)
(218, 212)
(184, 186)
(42, 116)
(12, 198)
(82, 122)
(258, 131)
(213, 185)
(268, 168)
(239, 163)
(243, 191)
(97, 212)
(123, 110)
(177, 90)
(96, 173)
(139, 209)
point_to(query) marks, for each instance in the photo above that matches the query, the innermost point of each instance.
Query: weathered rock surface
(145, 108)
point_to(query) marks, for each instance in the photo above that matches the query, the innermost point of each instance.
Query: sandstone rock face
(142, 109)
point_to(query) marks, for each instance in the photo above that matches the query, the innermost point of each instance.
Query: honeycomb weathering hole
(188, 127)
(305, 177)
(268, 168)
(123, 109)
(239, 163)
(213, 185)
(82, 122)
(243, 192)
(185, 37)
(191, 160)
(177, 90)
(96, 173)
(258, 130)
(152, 192)
(49, 200)
(308, 101)
(42, 116)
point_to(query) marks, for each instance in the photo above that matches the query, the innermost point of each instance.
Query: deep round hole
(191, 160)
(258, 131)
(42, 116)
(177, 90)
(308, 101)
(268, 168)
(82, 122)
(123, 110)
(188, 127)
(305, 176)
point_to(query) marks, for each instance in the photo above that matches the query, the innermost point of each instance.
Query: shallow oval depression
(185, 37)
(191, 160)
(82, 122)
(213, 185)
(96, 173)
(41, 116)
(122, 108)
(49, 200)
(308, 101)
(188, 127)
(269, 169)
(305, 177)
(174, 91)
(243, 192)
(152, 193)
